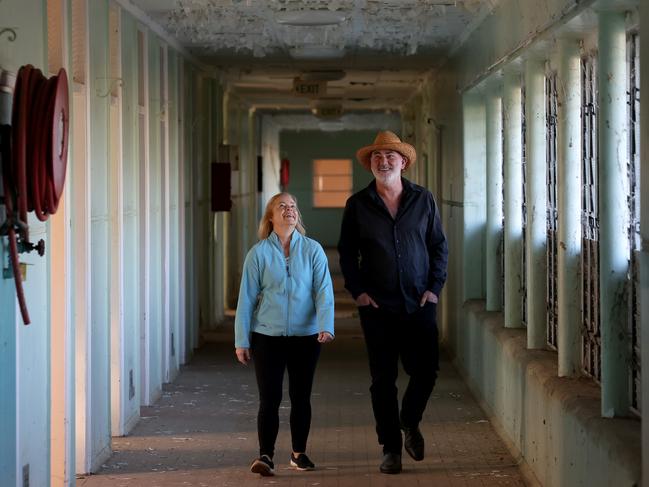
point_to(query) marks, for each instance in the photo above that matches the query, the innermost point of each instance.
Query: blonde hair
(266, 225)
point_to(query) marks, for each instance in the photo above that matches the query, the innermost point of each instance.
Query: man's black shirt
(394, 260)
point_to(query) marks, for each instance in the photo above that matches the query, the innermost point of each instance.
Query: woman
(285, 312)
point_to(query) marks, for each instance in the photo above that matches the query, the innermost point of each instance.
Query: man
(393, 256)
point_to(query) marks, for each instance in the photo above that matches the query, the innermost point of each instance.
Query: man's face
(387, 165)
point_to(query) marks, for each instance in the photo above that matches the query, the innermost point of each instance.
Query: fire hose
(34, 160)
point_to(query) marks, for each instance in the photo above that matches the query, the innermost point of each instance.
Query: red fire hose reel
(34, 160)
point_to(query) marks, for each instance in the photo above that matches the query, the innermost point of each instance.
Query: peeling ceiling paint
(385, 47)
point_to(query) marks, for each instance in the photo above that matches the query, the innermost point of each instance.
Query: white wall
(105, 224)
(24, 376)
(99, 234)
(271, 159)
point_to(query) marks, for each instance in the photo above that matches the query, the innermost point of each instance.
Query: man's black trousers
(391, 336)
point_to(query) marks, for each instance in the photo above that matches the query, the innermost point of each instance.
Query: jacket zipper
(288, 297)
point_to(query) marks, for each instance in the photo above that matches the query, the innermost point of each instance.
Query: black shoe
(414, 442)
(264, 466)
(301, 462)
(391, 463)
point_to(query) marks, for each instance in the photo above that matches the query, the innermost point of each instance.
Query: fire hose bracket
(22, 247)
(26, 247)
(8, 271)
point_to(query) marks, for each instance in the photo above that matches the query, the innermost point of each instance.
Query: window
(332, 182)
(590, 306)
(633, 59)
(523, 211)
(551, 158)
(501, 244)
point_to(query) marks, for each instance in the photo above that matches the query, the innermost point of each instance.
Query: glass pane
(332, 166)
(332, 183)
(332, 199)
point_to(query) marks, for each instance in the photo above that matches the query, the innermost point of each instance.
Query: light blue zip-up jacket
(281, 298)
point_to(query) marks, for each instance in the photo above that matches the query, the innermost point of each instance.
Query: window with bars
(633, 61)
(524, 211)
(551, 181)
(501, 244)
(332, 182)
(591, 335)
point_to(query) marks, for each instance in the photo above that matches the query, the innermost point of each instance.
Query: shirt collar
(408, 188)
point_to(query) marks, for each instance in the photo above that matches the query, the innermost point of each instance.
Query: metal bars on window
(633, 60)
(524, 211)
(590, 305)
(552, 213)
(501, 245)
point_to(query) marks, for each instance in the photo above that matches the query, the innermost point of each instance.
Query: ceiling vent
(310, 18)
(323, 75)
(316, 52)
(331, 126)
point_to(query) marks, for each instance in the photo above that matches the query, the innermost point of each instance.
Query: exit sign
(309, 88)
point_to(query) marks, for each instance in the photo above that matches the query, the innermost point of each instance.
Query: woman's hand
(243, 355)
(325, 337)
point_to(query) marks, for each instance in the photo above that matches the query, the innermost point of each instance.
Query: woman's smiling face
(284, 212)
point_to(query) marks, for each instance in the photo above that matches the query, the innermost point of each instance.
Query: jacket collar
(295, 236)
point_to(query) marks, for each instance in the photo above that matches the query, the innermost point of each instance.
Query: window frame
(348, 173)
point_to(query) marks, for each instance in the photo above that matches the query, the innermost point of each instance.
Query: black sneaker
(301, 462)
(264, 466)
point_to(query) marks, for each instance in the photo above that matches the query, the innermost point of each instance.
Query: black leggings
(271, 356)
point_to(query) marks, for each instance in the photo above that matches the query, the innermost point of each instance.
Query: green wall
(301, 148)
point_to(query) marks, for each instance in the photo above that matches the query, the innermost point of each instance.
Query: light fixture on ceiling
(316, 52)
(334, 126)
(309, 17)
(323, 75)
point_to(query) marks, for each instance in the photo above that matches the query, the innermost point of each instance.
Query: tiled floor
(202, 431)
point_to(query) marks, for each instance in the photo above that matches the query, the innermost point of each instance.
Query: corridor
(202, 432)
(160, 129)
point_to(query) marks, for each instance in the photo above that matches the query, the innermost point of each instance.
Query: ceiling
(378, 49)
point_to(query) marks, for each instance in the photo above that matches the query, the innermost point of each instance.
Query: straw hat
(386, 141)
